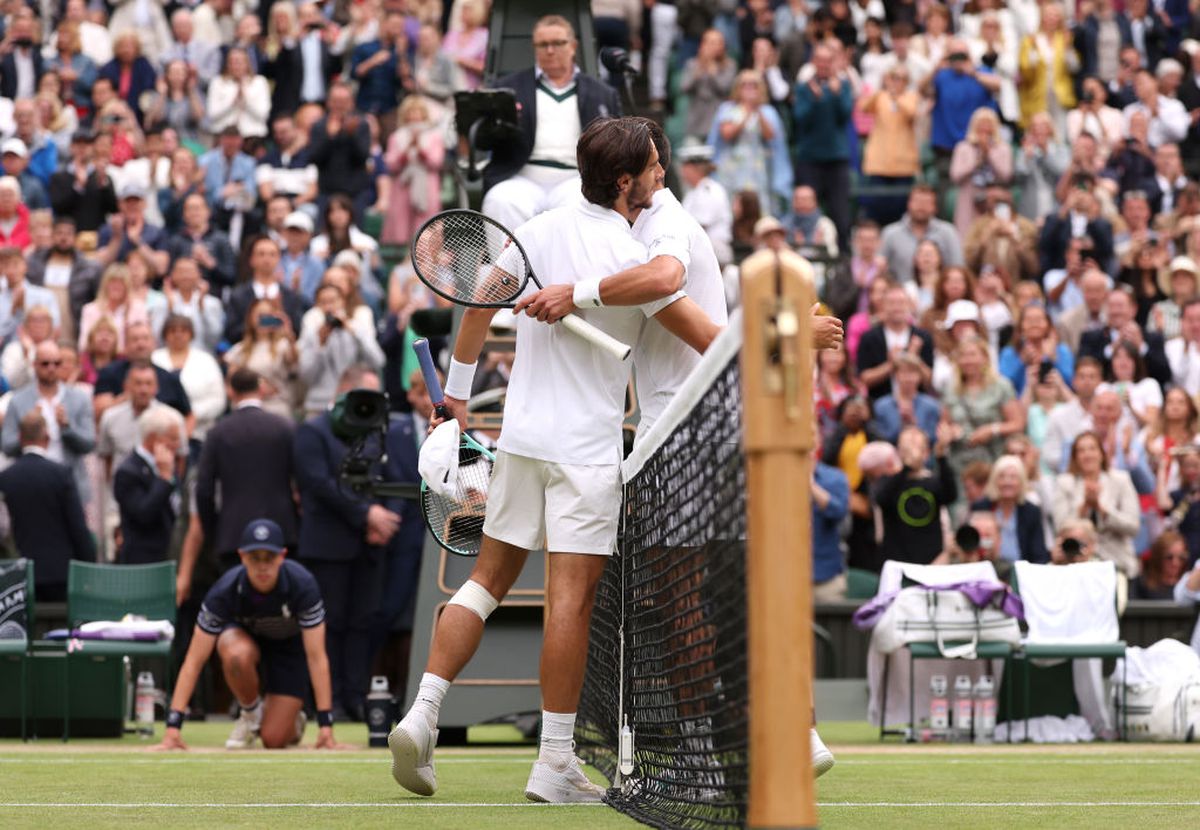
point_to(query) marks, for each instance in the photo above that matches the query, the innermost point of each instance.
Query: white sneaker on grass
(245, 730)
(562, 782)
(412, 743)
(822, 758)
(301, 722)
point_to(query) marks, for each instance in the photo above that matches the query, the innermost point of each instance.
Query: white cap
(437, 461)
(961, 311)
(15, 146)
(299, 220)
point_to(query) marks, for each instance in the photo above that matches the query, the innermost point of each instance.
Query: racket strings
(456, 520)
(469, 259)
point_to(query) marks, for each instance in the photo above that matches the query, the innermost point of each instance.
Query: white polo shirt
(661, 360)
(566, 398)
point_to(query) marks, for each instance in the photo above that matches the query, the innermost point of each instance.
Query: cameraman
(363, 551)
(328, 350)
(1075, 542)
(977, 540)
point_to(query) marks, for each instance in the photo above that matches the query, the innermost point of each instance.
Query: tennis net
(667, 655)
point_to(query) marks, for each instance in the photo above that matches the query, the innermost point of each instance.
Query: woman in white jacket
(198, 371)
(1090, 490)
(238, 98)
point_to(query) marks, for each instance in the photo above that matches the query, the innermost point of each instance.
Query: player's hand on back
(827, 330)
(548, 305)
(171, 740)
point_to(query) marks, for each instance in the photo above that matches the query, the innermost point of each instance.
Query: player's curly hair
(609, 149)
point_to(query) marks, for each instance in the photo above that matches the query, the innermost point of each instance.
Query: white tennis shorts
(575, 508)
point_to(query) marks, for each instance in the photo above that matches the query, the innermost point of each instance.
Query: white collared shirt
(1184, 357)
(34, 449)
(566, 398)
(48, 406)
(268, 291)
(246, 403)
(661, 358)
(26, 76)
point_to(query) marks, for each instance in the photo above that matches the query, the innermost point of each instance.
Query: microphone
(616, 61)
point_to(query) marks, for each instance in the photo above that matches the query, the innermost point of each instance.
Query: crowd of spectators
(1000, 199)
(203, 208)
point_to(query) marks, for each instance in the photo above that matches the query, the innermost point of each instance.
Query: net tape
(469, 259)
(676, 592)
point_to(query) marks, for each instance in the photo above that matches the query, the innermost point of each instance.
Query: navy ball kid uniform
(274, 621)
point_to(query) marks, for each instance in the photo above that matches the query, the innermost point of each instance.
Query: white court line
(424, 805)
(269, 805)
(225, 759)
(1039, 804)
(1025, 762)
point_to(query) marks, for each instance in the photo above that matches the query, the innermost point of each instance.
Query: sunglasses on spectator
(547, 45)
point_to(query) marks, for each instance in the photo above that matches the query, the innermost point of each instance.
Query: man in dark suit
(21, 67)
(302, 71)
(47, 516)
(1189, 96)
(1079, 208)
(248, 456)
(84, 275)
(263, 285)
(82, 190)
(145, 490)
(526, 175)
(343, 540)
(340, 146)
(881, 343)
(1122, 308)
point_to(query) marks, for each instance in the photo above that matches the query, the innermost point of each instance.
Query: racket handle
(421, 348)
(582, 328)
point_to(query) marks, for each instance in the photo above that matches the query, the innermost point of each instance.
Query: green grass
(873, 786)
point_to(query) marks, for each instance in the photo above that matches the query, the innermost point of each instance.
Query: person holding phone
(1002, 238)
(269, 349)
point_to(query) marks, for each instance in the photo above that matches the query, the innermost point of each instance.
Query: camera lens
(967, 538)
(1072, 548)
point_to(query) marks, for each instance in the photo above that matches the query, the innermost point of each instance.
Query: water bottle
(963, 704)
(985, 709)
(381, 710)
(144, 704)
(939, 706)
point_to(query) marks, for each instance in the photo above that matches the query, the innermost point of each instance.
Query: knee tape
(475, 597)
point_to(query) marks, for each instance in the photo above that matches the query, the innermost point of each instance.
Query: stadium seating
(109, 592)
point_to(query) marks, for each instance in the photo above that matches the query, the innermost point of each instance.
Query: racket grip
(582, 328)
(421, 348)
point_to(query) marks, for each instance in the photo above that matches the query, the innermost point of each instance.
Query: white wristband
(587, 294)
(459, 379)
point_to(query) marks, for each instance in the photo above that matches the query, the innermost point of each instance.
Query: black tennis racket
(455, 520)
(473, 260)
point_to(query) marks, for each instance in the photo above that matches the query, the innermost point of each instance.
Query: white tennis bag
(1162, 699)
(926, 615)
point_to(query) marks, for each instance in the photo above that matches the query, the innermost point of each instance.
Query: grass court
(98, 784)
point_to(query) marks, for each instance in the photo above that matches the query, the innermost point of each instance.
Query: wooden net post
(777, 395)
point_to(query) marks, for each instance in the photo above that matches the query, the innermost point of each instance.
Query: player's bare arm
(318, 672)
(660, 277)
(687, 321)
(472, 332)
(198, 653)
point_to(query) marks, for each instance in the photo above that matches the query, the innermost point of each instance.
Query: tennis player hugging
(618, 258)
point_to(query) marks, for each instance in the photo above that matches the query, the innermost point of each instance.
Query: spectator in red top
(14, 216)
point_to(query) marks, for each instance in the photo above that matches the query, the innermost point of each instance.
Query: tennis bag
(946, 617)
(14, 624)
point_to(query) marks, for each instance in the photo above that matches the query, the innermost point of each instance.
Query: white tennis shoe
(245, 730)
(822, 758)
(412, 743)
(301, 722)
(562, 782)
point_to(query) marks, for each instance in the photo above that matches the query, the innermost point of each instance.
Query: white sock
(558, 735)
(429, 697)
(254, 710)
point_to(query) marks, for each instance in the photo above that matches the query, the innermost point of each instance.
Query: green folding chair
(861, 584)
(109, 592)
(1028, 652)
(17, 649)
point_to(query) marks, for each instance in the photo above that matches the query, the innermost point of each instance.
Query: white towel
(1070, 603)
